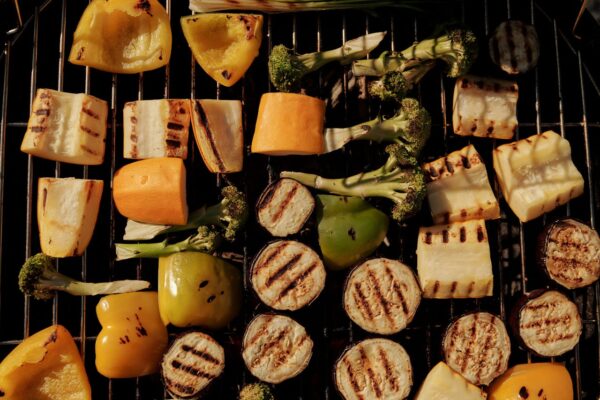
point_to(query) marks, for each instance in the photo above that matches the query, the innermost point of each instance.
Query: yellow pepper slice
(133, 337)
(122, 36)
(46, 365)
(550, 381)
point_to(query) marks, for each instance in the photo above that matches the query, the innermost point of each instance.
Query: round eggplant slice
(287, 275)
(284, 207)
(276, 348)
(569, 252)
(374, 369)
(192, 362)
(547, 323)
(382, 296)
(514, 47)
(477, 346)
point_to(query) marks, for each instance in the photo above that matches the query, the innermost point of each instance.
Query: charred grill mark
(226, 74)
(470, 343)
(453, 286)
(37, 129)
(269, 345)
(445, 236)
(547, 322)
(449, 165)
(353, 381)
(286, 201)
(144, 6)
(274, 253)
(175, 126)
(89, 131)
(480, 234)
(536, 307)
(88, 150)
(173, 144)
(43, 111)
(436, 287)
(389, 371)
(90, 112)
(44, 198)
(283, 269)
(398, 291)
(52, 338)
(362, 303)
(209, 135)
(470, 288)
(428, 237)
(180, 387)
(366, 362)
(202, 354)
(298, 280)
(190, 369)
(380, 298)
(133, 120)
(463, 234)
(557, 338)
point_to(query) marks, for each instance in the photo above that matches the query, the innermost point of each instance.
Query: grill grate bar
(3, 128)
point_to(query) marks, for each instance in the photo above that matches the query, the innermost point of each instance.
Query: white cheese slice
(442, 383)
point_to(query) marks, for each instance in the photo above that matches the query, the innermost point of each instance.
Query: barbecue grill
(561, 94)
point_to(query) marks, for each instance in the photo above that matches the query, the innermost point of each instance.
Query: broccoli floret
(256, 391)
(286, 68)
(394, 85)
(400, 180)
(410, 127)
(39, 278)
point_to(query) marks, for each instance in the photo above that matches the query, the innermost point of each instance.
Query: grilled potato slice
(458, 188)
(485, 107)
(287, 275)
(442, 383)
(276, 348)
(514, 47)
(191, 364)
(66, 230)
(382, 296)
(536, 174)
(453, 261)
(66, 127)
(374, 369)
(156, 128)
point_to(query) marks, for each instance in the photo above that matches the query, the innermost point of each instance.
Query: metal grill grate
(561, 94)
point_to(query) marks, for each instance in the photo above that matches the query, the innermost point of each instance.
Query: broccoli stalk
(410, 128)
(400, 180)
(286, 68)
(256, 391)
(39, 278)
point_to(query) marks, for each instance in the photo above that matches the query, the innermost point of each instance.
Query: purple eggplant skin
(543, 242)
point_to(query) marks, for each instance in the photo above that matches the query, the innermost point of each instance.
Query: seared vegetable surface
(514, 47)
(442, 383)
(533, 381)
(278, 6)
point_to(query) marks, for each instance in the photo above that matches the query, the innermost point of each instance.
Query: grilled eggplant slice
(374, 369)
(382, 296)
(514, 47)
(477, 346)
(193, 361)
(287, 275)
(276, 348)
(569, 252)
(284, 207)
(547, 323)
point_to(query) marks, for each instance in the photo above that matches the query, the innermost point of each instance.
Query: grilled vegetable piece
(547, 322)
(279, 6)
(442, 383)
(458, 188)
(533, 381)
(394, 86)
(133, 339)
(256, 391)
(410, 128)
(122, 36)
(349, 228)
(219, 134)
(191, 364)
(382, 296)
(569, 252)
(287, 275)
(152, 191)
(156, 128)
(477, 346)
(454, 262)
(276, 348)
(39, 278)
(374, 369)
(197, 289)
(284, 207)
(67, 231)
(45, 365)
(485, 107)
(286, 68)
(537, 174)
(514, 47)
(300, 117)
(225, 45)
(399, 180)
(66, 127)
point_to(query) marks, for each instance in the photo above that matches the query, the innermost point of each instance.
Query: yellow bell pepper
(133, 337)
(46, 365)
(122, 36)
(549, 381)
(197, 289)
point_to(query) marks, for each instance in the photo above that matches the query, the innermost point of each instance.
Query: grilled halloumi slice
(536, 174)
(458, 188)
(67, 209)
(156, 128)
(382, 296)
(287, 275)
(66, 127)
(193, 361)
(453, 261)
(374, 369)
(477, 346)
(442, 383)
(485, 107)
(276, 348)
(514, 47)
(219, 132)
(549, 323)
(284, 207)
